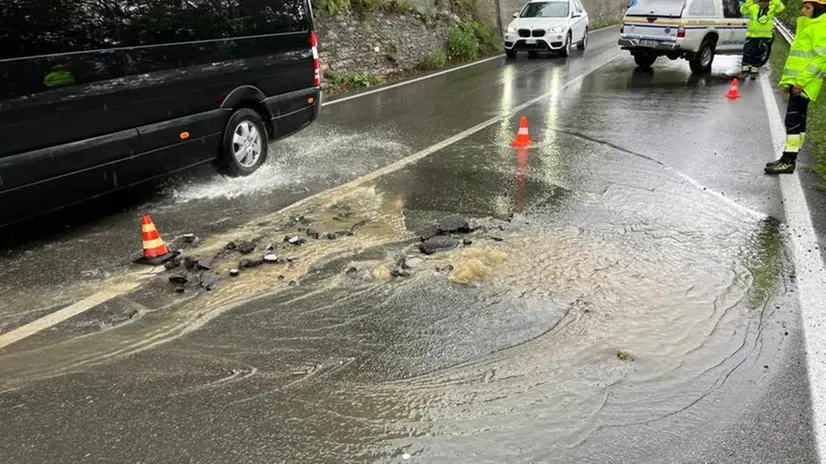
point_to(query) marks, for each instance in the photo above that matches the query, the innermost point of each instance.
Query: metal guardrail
(784, 30)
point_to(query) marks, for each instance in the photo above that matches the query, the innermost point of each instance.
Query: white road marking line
(811, 276)
(59, 316)
(456, 138)
(440, 73)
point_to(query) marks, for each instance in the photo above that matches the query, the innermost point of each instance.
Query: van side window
(45, 27)
(704, 8)
(731, 9)
(153, 22)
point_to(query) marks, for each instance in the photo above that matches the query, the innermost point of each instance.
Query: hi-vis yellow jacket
(806, 65)
(760, 26)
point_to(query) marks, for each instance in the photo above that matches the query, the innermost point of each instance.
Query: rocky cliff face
(385, 43)
(381, 43)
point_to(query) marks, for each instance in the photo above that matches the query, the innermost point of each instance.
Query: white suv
(695, 30)
(547, 25)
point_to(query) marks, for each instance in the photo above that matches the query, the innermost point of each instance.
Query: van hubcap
(246, 144)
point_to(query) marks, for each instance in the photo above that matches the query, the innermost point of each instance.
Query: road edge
(808, 271)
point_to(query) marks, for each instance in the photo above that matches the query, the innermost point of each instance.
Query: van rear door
(653, 19)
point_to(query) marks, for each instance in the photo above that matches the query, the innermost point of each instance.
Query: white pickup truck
(695, 30)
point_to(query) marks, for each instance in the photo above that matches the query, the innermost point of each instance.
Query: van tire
(702, 60)
(252, 132)
(645, 60)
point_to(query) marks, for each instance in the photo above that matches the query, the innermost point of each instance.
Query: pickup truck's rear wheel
(702, 60)
(645, 59)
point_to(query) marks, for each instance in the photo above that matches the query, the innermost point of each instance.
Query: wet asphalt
(640, 305)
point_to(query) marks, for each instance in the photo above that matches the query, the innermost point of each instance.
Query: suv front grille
(524, 32)
(539, 32)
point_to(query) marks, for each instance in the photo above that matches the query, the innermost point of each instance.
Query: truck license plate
(648, 43)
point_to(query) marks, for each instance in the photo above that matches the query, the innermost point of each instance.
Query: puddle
(299, 160)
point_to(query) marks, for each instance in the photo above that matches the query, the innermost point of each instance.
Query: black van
(99, 95)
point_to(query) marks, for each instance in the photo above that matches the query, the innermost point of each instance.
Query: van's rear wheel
(702, 60)
(244, 143)
(645, 60)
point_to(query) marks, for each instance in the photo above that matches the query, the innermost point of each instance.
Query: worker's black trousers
(753, 51)
(795, 124)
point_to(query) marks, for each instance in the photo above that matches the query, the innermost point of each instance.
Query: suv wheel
(584, 42)
(244, 143)
(566, 50)
(510, 53)
(702, 60)
(645, 60)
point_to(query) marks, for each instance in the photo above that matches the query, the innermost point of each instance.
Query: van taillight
(316, 65)
(681, 32)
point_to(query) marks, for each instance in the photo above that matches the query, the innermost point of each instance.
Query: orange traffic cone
(733, 90)
(522, 138)
(155, 250)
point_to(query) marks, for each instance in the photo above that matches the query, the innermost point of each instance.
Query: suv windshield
(545, 10)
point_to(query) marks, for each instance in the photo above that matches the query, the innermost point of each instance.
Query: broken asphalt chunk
(178, 279)
(173, 263)
(209, 282)
(190, 263)
(250, 263)
(434, 244)
(203, 264)
(271, 258)
(453, 224)
(234, 272)
(296, 240)
(400, 273)
(246, 248)
(429, 233)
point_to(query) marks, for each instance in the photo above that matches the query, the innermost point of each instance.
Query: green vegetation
(343, 79)
(816, 124)
(470, 39)
(436, 58)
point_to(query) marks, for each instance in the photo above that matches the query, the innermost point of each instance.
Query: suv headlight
(557, 29)
(511, 30)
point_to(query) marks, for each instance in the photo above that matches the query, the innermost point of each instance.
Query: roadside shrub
(462, 44)
(333, 7)
(488, 39)
(352, 79)
(436, 58)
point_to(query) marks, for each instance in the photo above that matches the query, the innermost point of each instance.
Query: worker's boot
(755, 71)
(785, 165)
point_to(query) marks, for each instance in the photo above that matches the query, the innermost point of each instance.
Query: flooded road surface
(620, 291)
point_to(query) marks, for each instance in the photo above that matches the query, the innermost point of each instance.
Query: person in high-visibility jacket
(802, 78)
(759, 35)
